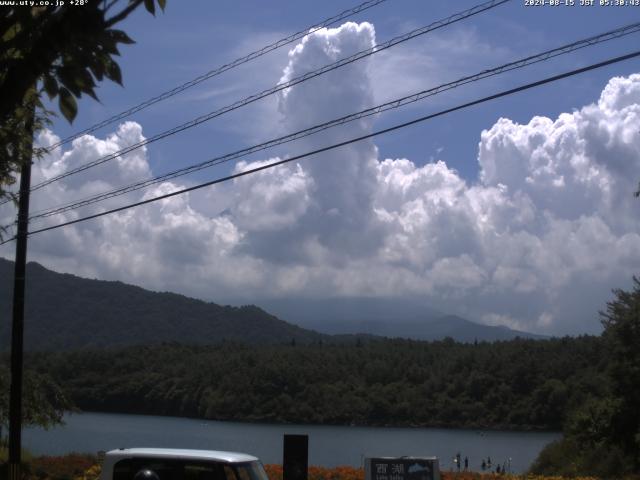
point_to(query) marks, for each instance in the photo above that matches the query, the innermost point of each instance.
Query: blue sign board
(401, 468)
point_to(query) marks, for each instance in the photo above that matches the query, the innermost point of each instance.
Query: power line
(533, 59)
(347, 142)
(282, 86)
(223, 68)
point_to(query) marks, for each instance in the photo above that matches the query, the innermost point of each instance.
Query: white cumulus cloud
(535, 242)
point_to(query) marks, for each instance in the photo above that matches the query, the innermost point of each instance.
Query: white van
(179, 464)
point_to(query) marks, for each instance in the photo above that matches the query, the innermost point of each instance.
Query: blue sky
(517, 212)
(187, 41)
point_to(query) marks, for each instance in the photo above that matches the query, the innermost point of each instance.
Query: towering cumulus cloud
(536, 241)
(333, 214)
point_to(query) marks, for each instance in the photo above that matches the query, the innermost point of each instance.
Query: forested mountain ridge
(519, 384)
(427, 328)
(64, 311)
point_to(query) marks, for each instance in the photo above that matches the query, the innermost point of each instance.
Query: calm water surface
(328, 446)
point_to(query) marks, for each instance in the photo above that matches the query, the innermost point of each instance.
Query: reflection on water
(328, 445)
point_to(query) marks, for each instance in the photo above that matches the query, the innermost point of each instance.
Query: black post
(17, 328)
(295, 457)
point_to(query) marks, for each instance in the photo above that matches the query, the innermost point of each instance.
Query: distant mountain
(387, 317)
(68, 312)
(65, 312)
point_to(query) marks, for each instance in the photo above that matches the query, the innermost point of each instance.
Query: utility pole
(17, 327)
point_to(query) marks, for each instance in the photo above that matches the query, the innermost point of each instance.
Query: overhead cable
(223, 68)
(504, 93)
(281, 86)
(400, 102)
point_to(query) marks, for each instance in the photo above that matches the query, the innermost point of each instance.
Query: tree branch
(108, 6)
(124, 13)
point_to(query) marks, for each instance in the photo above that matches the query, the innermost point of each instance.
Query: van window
(250, 471)
(169, 469)
(185, 469)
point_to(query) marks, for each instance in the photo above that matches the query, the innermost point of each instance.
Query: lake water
(328, 445)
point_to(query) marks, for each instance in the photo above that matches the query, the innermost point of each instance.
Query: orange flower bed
(351, 473)
(320, 473)
(84, 467)
(69, 467)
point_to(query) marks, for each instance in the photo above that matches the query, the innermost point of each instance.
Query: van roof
(178, 453)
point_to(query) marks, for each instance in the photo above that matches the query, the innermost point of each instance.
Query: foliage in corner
(621, 321)
(602, 435)
(62, 51)
(44, 402)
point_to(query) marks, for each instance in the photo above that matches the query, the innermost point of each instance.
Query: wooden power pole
(17, 326)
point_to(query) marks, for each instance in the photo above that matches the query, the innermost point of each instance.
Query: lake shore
(329, 446)
(410, 425)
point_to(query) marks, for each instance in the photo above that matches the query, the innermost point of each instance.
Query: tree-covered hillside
(516, 384)
(67, 312)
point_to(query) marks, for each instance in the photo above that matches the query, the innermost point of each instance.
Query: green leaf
(50, 86)
(110, 46)
(68, 105)
(120, 37)
(113, 72)
(67, 75)
(150, 6)
(162, 4)
(84, 80)
(39, 103)
(89, 85)
(98, 67)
